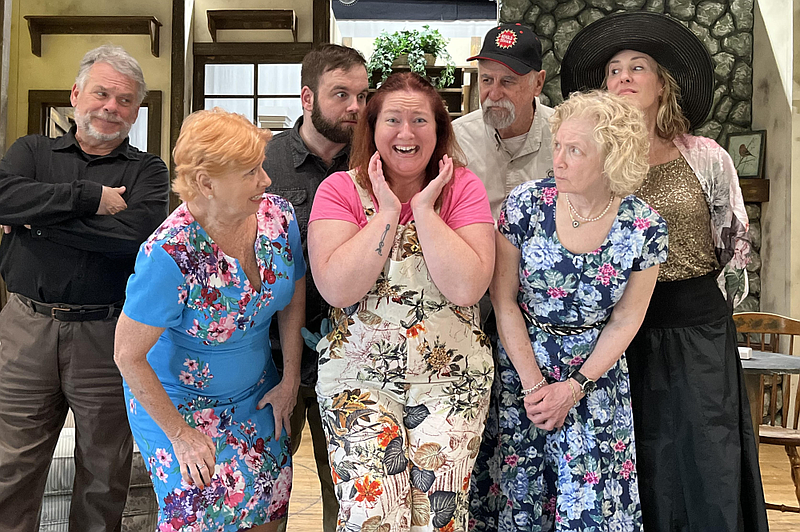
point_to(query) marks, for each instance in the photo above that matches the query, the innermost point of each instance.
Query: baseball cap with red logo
(513, 45)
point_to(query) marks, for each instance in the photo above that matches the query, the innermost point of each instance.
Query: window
(267, 94)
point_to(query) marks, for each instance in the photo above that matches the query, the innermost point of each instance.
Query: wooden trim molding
(754, 190)
(5, 61)
(248, 52)
(91, 25)
(153, 102)
(321, 22)
(5, 45)
(38, 100)
(177, 104)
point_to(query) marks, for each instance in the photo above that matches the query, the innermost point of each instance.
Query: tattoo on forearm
(380, 244)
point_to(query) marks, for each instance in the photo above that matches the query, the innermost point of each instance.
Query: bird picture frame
(747, 149)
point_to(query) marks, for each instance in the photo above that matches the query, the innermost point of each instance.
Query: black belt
(563, 330)
(61, 312)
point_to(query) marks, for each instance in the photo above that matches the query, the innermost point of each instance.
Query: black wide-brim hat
(664, 39)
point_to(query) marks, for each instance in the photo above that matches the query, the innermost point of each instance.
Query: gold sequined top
(673, 190)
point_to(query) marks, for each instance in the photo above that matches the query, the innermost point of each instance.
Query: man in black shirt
(334, 94)
(75, 210)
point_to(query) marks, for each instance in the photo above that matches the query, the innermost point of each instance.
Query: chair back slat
(773, 399)
(786, 386)
(796, 418)
(766, 330)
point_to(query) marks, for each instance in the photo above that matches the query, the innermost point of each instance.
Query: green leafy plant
(415, 44)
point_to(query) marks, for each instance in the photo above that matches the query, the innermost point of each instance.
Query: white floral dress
(404, 379)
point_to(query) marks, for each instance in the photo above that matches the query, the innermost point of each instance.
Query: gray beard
(84, 123)
(498, 118)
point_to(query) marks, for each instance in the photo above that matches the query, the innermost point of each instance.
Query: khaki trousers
(46, 367)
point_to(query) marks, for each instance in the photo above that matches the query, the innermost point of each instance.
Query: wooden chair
(763, 331)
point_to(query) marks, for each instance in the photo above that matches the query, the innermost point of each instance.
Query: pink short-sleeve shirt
(467, 202)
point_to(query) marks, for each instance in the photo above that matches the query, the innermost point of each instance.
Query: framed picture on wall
(747, 149)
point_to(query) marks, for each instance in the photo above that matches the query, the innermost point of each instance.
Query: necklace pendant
(575, 224)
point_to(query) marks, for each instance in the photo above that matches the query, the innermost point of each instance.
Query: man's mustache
(108, 117)
(503, 104)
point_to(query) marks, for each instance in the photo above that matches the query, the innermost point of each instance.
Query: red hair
(215, 142)
(364, 137)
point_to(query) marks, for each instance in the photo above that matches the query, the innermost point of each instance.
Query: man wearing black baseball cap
(507, 141)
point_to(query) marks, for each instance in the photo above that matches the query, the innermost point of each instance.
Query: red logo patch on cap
(506, 39)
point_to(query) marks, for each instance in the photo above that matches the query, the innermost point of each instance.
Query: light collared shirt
(491, 162)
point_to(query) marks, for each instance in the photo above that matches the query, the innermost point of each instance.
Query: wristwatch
(587, 384)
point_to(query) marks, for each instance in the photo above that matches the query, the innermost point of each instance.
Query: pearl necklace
(576, 223)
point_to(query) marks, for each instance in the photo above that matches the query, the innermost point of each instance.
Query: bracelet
(534, 388)
(574, 394)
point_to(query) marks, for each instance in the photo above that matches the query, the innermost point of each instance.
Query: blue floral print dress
(582, 476)
(214, 362)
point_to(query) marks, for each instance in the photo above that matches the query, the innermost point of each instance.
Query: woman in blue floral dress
(206, 405)
(571, 286)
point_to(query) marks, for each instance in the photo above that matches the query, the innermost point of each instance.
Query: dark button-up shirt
(72, 255)
(296, 173)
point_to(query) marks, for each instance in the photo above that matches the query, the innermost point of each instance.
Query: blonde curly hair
(619, 129)
(215, 142)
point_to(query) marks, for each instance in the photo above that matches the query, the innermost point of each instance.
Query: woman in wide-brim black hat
(696, 452)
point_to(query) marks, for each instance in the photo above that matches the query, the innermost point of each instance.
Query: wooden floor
(778, 488)
(306, 505)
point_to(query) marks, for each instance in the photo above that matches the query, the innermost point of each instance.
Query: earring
(210, 196)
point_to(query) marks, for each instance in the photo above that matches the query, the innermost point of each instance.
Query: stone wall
(724, 26)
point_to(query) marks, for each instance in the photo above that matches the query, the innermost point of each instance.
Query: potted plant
(413, 46)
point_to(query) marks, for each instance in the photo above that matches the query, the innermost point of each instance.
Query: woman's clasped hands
(547, 408)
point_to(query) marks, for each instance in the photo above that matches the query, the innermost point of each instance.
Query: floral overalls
(404, 381)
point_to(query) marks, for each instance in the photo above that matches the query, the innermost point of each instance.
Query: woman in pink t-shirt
(402, 247)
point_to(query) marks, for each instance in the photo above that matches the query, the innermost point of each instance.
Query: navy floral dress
(215, 364)
(582, 476)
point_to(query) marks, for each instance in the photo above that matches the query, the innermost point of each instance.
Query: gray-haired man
(75, 210)
(507, 141)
